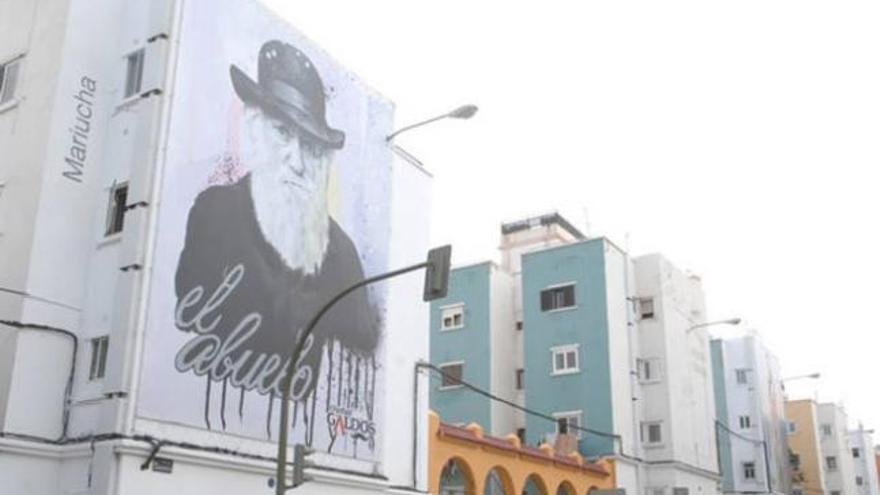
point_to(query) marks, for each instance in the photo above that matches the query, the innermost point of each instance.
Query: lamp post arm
(413, 126)
(281, 467)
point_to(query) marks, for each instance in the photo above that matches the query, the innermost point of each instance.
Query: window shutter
(568, 295)
(546, 300)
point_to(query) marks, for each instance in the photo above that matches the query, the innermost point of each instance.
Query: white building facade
(752, 429)
(861, 443)
(118, 118)
(834, 440)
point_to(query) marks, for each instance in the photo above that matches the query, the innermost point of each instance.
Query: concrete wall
(503, 337)
(804, 442)
(836, 444)
(864, 465)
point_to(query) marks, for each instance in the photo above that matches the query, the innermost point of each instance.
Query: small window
(521, 433)
(652, 433)
(860, 481)
(856, 453)
(557, 298)
(8, 79)
(565, 359)
(116, 209)
(742, 376)
(680, 490)
(794, 460)
(520, 379)
(134, 73)
(745, 422)
(452, 317)
(646, 309)
(791, 426)
(831, 463)
(749, 470)
(452, 375)
(99, 357)
(519, 325)
(826, 430)
(568, 422)
(649, 370)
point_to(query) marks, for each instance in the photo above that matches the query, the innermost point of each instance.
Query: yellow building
(462, 460)
(803, 441)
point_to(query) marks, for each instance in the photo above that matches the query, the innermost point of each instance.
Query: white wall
(502, 337)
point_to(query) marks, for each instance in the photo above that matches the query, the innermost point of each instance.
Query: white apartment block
(861, 443)
(113, 116)
(753, 434)
(837, 458)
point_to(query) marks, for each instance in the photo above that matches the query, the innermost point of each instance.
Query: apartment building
(149, 285)
(837, 458)
(752, 430)
(861, 443)
(807, 472)
(611, 348)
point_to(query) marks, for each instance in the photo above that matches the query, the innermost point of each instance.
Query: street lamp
(436, 284)
(729, 321)
(814, 376)
(462, 112)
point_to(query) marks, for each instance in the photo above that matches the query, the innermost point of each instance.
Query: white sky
(739, 138)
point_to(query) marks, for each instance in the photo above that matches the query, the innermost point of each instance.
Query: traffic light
(437, 273)
(300, 452)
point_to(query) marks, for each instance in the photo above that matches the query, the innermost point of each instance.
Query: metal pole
(281, 467)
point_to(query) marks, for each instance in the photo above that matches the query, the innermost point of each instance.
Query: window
(452, 375)
(656, 491)
(859, 480)
(452, 317)
(8, 79)
(794, 460)
(680, 490)
(742, 376)
(116, 209)
(521, 433)
(749, 470)
(557, 297)
(835, 492)
(649, 370)
(831, 463)
(520, 379)
(745, 422)
(791, 426)
(565, 359)
(99, 357)
(856, 453)
(797, 491)
(652, 433)
(519, 325)
(568, 422)
(646, 309)
(134, 73)
(826, 430)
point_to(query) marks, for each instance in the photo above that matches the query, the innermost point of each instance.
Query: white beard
(295, 221)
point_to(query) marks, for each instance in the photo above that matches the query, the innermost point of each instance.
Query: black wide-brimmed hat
(289, 89)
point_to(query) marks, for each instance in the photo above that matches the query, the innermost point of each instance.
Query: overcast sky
(739, 138)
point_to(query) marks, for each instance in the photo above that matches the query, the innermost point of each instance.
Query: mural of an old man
(262, 255)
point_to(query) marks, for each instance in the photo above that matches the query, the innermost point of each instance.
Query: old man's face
(272, 147)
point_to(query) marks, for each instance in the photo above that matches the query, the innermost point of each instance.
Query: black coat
(222, 232)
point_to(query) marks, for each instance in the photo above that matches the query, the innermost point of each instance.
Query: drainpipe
(68, 390)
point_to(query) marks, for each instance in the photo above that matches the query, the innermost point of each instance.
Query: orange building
(462, 460)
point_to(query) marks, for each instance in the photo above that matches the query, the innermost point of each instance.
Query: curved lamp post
(436, 284)
(462, 112)
(729, 321)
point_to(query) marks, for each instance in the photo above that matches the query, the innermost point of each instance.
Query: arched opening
(592, 490)
(565, 488)
(456, 478)
(534, 486)
(498, 482)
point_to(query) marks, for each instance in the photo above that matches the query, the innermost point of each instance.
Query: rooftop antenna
(587, 226)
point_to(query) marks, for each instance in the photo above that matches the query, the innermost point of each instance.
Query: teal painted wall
(725, 460)
(589, 390)
(468, 285)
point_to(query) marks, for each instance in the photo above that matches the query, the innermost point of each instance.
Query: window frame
(748, 466)
(856, 453)
(451, 307)
(520, 379)
(454, 386)
(645, 431)
(567, 415)
(113, 214)
(8, 101)
(745, 422)
(642, 302)
(826, 429)
(564, 350)
(745, 373)
(129, 91)
(831, 463)
(654, 365)
(552, 289)
(98, 357)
